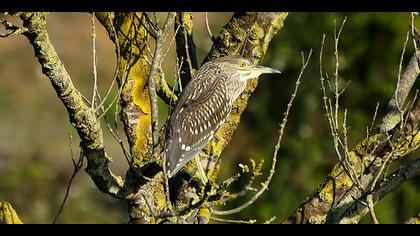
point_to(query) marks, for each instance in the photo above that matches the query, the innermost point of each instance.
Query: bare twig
(276, 149)
(100, 106)
(414, 33)
(163, 90)
(185, 46)
(150, 26)
(369, 201)
(77, 166)
(372, 125)
(332, 112)
(410, 107)
(123, 79)
(336, 91)
(156, 63)
(400, 104)
(208, 28)
(233, 221)
(405, 82)
(94, 60)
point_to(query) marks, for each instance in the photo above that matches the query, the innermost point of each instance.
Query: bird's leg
(201, 171)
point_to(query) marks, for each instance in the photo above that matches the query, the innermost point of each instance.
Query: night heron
(203, 107)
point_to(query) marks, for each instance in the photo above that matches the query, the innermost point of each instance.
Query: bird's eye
(243, 64)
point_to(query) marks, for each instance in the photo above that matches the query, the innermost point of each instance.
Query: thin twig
(369, 201)
(337, 65)
(117, 66)
(399, 76)
(369, 130)
(381, 169)
(332, 113)
(95, 74)
(233, 221)
(414, 34)
(77, 166)
(411, 106)
(123, 80)
(156, 63)
(208, 28)
(394, 111)
(150, 27)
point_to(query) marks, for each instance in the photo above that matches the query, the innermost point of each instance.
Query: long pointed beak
(266, 70)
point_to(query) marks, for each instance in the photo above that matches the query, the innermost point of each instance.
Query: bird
(203, 107)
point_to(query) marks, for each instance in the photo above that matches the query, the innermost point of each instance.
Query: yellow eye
(243, 64)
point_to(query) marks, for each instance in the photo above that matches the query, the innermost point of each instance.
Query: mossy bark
(132, 74)
(8, 215)
(415, 219)
(81, 116)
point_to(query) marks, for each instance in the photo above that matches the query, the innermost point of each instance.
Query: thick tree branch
(390, 184)
(395, 106)
(82, 117)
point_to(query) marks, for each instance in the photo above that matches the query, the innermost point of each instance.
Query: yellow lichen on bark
(140, 95)
(8, 215)
(136, 85)
(133, 71)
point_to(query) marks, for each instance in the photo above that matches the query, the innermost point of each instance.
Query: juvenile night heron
(203, 106)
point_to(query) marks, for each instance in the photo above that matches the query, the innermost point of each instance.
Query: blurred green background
(35, 162)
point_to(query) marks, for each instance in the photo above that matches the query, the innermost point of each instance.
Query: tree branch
(393, 110)
(81, 115)
(156, 64)
(390, 184)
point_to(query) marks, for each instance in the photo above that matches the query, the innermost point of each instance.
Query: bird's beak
(264, 70)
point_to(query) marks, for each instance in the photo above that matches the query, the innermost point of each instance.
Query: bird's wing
(194, 122)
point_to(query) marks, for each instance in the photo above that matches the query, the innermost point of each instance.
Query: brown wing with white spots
(199, 113)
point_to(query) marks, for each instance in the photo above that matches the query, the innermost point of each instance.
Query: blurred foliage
(35, 162)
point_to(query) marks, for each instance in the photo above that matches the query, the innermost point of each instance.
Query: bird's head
(242, 68)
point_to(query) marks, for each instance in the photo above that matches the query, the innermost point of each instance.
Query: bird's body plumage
(201, 109)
